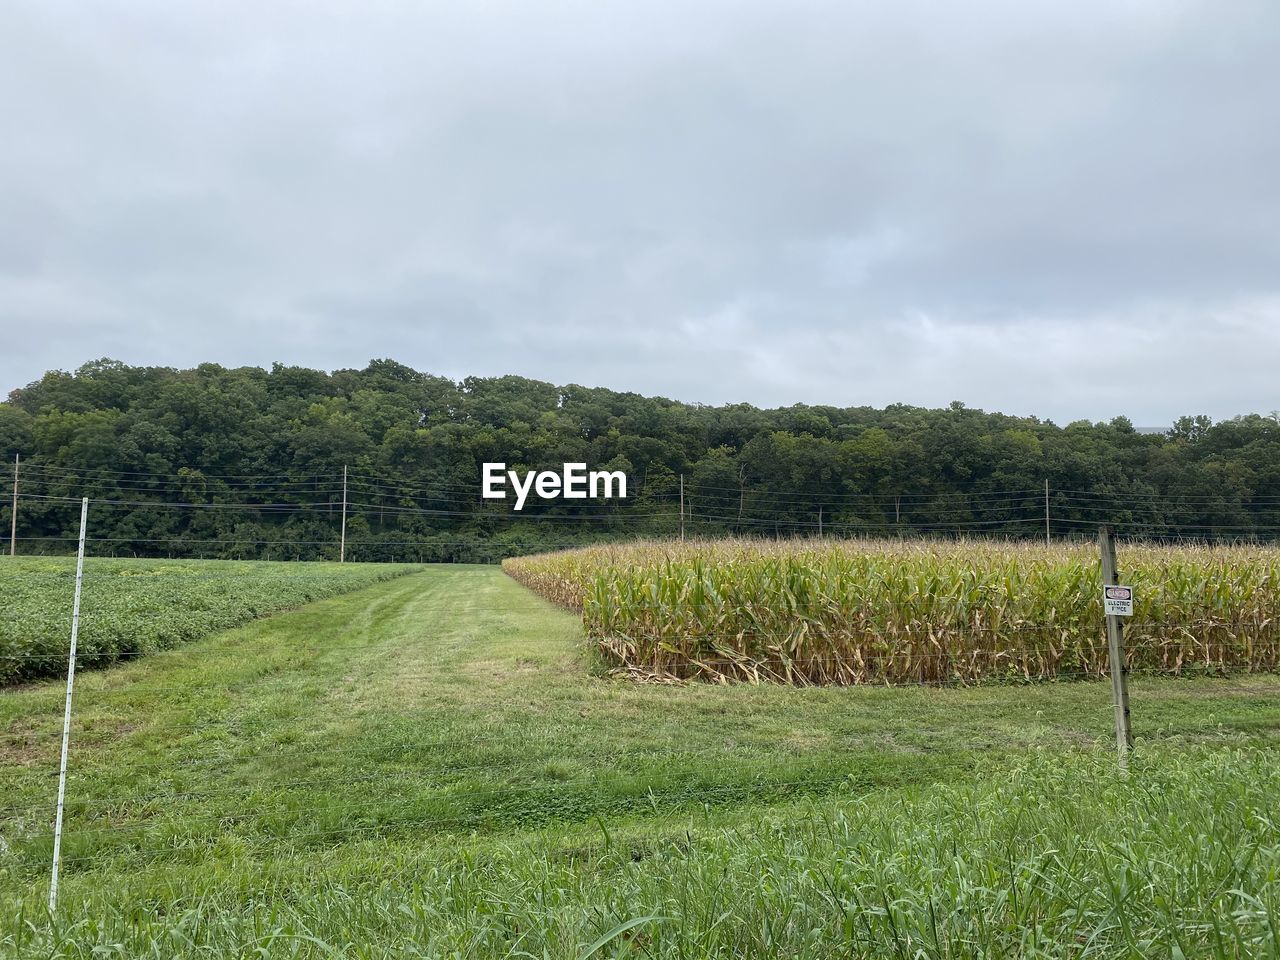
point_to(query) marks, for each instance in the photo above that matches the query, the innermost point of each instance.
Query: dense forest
(250, 462)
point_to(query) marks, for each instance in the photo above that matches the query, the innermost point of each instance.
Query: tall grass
(1055, 857)
(889, 611)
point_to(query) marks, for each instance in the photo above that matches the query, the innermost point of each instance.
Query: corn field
(867, 611)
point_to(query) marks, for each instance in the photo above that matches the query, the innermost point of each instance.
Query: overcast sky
(1063, 209)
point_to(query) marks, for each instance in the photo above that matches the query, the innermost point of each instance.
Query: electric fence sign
(1117, 600)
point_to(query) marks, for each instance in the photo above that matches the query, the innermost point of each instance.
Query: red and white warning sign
(1117, 600)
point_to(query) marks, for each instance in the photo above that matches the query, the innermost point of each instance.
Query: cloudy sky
(1063, 209)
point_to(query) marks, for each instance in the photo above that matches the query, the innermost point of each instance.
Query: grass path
(454, 704)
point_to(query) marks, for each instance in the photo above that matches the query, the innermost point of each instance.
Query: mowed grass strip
(877, 611)
(131, 608)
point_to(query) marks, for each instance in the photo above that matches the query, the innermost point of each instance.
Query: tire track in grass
(230, 710)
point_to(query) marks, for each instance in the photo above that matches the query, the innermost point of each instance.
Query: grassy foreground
(130, 608)
(427, 768)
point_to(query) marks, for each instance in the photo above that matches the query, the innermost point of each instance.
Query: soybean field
(130, 608)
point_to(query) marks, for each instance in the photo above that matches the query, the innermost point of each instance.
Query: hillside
(277, 441)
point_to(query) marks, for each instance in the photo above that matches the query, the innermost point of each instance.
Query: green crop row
(133, 607)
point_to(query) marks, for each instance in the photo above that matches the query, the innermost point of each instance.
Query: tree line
(249, 462)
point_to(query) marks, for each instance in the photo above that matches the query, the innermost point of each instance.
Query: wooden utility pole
(1046, 511)
(682, 508)
(342, 549)
(13, 521)
(1115, 647)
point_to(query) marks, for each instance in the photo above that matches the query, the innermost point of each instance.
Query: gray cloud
(1062, 209)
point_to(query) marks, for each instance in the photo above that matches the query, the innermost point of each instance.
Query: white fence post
(66, 715)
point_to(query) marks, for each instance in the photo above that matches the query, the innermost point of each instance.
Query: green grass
(429, 767)
(131, 608)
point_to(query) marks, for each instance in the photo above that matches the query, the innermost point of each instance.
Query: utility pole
(682, 508)
(1115, 648)
(1046, 511)
(13, 522)
(819, 523)
(342, 549)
